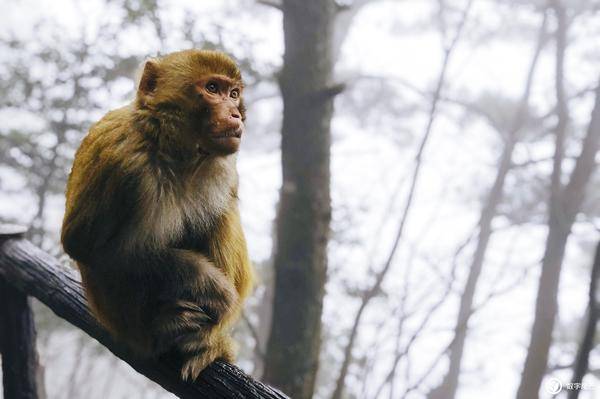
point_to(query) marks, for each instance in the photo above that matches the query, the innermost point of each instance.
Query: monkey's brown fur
(152, 218)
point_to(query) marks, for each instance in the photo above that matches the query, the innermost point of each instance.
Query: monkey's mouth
(232, 133)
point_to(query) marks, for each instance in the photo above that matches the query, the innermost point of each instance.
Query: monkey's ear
(149, 78)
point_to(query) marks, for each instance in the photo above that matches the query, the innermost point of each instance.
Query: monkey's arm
(98, 203)
(199, 323)
(227, 246)
(192, 309)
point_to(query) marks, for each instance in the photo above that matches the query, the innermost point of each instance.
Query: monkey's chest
(184, 218)
(182, 207)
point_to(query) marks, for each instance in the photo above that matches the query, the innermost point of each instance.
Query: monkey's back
(96, 188)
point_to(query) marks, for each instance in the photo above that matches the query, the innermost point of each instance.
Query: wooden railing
(26, 270)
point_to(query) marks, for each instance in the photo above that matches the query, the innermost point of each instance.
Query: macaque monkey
(152, 216)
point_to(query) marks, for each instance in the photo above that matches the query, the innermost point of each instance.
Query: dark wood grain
(17, 344)
(35, 273)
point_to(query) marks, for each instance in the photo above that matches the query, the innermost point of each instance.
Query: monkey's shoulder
(107, 165)
(114, 134)
(111, 143)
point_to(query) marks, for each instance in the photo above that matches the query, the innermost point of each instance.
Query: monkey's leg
(194, 311)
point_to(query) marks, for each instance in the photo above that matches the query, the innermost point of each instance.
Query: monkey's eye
(235, 93)
(212, 87)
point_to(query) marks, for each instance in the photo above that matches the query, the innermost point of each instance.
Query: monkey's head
(197, 96)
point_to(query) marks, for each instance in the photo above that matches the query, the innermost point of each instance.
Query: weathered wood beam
(34, 272)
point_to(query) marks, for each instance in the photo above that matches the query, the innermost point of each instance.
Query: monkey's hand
(195, 312)
(215, 293)
(194, 336)
(221, 347)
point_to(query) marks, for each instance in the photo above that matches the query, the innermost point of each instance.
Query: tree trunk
(587, 343)
(563, 209)
(545, 312)
(304, 214)
(264, 312)
(447, 389)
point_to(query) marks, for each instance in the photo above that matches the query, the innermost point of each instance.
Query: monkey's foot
(178, 322)
(198, 357)
(194, 365)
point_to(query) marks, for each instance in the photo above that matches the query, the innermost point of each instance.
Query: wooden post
(17, 337)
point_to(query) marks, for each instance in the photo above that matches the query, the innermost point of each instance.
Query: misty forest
(440, 238)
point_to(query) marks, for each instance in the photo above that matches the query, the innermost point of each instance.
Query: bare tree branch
(374, 289)
(449, 385)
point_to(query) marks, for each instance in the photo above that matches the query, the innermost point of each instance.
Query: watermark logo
(555, 386)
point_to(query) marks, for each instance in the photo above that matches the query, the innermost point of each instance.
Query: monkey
(152, 219)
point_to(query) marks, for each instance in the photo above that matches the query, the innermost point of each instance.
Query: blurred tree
(371, 292)
(302, 230)
(511, 135)
(580, 367)
(565, 202)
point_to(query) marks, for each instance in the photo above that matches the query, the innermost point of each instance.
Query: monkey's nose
(235, 121)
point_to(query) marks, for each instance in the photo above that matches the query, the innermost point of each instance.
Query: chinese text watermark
(554, 386)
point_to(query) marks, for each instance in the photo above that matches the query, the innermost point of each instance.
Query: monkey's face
(222, 114)
(198, 96)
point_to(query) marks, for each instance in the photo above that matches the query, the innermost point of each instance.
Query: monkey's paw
(179, 321)
(196, 362)
(194, 365)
